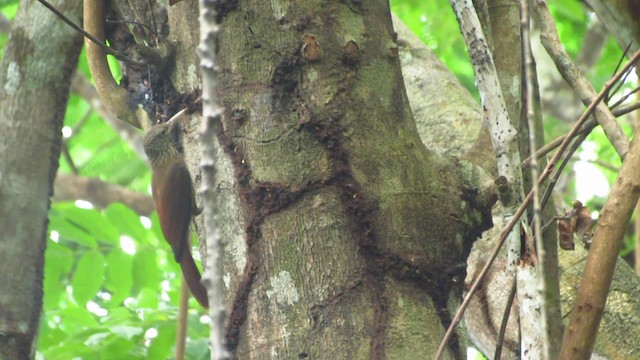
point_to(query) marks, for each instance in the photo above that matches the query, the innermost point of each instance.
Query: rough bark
(341, 237)
(36, 70)
(429, 82)
(619, 330)
(310, 256)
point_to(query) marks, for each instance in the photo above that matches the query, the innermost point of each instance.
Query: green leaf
(145, 270)
(126, 332)
(64, 349)
(9, 8)
(58, 261)
(156, 229)
(88, 276)
(75, 319)
(50, 337)
(118, 278)
(110, 345)
(114, 66)
(97, 339)
(92, 221)
(68, 231)
(161, 345)
(118, 315)
(126, 220)
(148, 298)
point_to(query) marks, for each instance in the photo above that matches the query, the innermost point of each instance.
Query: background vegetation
(111, 284)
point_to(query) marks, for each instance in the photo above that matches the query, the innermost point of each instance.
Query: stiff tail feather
(192, 276)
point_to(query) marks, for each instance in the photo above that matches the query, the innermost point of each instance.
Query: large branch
(429, 85)
(127, 132)
(580, 335)
(69, 187)
(576, 79)
(112, 95)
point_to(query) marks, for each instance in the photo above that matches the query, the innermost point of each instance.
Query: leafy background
(111, 284)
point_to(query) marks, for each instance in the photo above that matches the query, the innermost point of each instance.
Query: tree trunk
(36, 70)
(346, 236)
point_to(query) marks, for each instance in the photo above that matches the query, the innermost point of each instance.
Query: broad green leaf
(76, 318)
(145, 270)
(88, 276)
(91, 221)
(66, 348)
(49, 337)
(114, 67)
(156, 229)
(68, 231)
(126, 332)
(58, 261)
(118, 279)
(9, 8)
(96, 340)
(112, 346)
(148, 298)
(158, 316)
(118, 315)
(126, 220)
(162, 344)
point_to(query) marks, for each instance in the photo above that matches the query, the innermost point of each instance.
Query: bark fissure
(295, 131)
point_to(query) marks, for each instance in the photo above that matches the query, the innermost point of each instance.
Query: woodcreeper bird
(174, 197)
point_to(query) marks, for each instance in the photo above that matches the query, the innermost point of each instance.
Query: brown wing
(173, 195)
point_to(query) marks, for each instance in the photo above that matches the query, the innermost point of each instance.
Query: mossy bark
(346, 236)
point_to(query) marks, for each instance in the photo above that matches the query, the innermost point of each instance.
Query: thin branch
(211, 113)
(558, 171)
(588, 127)
(624, 79)
(505, 320)
(81, 85)
(576, 80)
(67, 156)
(624, 110)
(580, 334)
(549, 346)
(503, 134)
(183, 308)
(605, 165)
(543, 177)
(107, 49)
(624, 97)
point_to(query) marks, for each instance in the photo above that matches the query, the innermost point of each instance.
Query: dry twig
(576, 80)
(527, 200)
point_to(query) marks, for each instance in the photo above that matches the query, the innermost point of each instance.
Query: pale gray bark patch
(283, 289)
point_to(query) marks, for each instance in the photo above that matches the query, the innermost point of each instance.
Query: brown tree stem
(580, 335)
(68, 187)
(576, 80)
(527, 200)
(181, 333)
(112, 96)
